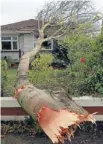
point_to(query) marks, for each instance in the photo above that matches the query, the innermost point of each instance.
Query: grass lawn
(12, 73)
(42, 79)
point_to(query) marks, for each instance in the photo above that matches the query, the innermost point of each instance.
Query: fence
(11, 110)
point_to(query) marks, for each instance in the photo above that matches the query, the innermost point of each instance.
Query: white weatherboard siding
(21, 42)
(28, 42)
(14, 55)
(34, 40)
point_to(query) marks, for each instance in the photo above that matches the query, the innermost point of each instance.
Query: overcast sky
(18, 10)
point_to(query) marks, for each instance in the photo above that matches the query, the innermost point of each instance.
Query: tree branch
(55, 37)
(41, 31)
(58, 31)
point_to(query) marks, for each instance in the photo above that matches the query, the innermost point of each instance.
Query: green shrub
(8, 77)
(11, 61)
(4, 67)
(85, 77)
(44, 76)
(30, 121)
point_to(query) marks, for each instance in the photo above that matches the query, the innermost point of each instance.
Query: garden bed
(88, 134)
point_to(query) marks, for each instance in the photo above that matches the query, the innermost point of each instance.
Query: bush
(86, 71)
(8, 78)
(43, 75)
(4, 67)
(12, 62)
(31, 121)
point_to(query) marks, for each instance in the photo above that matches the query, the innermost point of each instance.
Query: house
(18, 38)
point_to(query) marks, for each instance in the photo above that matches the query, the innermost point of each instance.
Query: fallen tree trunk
(53, 115)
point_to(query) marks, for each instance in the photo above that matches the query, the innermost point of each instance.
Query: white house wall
(13, 55)
(35, 39)
(21, 41)
(28, 42)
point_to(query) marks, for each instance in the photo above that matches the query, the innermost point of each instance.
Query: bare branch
(63, 15)
(41, 31)
(54, 37)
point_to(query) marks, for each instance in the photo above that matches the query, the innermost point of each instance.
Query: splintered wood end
(60, 125)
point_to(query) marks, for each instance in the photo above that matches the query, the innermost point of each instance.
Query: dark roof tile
(31, 24)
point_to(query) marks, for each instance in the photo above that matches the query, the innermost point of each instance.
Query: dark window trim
(9, 50)
(11, 43)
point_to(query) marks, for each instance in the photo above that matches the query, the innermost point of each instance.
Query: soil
(82, 139)
(88, 134)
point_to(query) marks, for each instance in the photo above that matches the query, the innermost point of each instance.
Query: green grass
(11, 73)
(42, 79)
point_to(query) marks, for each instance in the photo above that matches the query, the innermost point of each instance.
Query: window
(6, 45)
(9, 42)
(6, 38)
(14, 45)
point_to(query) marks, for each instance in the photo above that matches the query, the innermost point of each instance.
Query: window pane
(5, 38)
(14, 45)
(14, 38)
(6, 45)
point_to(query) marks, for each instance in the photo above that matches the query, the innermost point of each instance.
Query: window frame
(11, 40)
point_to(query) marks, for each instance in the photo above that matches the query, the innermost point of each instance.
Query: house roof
(30, 24)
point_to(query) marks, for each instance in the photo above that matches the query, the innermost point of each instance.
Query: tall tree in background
(54, 115)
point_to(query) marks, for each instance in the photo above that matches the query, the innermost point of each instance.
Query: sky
(18, 10)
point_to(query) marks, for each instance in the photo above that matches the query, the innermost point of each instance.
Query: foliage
(83, 76)
(4, 68)
(60, 59)
(86, 71)
(18, 127)
(33, 122)
(64, 16)
(43, 75)
(8, 82)
(26, 128)
(12, 62)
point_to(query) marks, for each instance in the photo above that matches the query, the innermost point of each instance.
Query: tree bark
(31, 98)
(54, 114)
